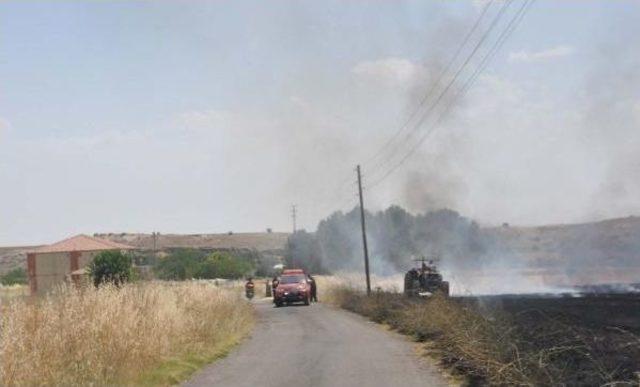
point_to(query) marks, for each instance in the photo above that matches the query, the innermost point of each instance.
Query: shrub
(181, 264)
(111, 266)
(188, 263)
(224, 265)
(17, 276)
(303, 251)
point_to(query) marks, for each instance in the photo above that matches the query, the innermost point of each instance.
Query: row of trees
(394, 235)
(117, 268)
(190, 263)
(17, 276)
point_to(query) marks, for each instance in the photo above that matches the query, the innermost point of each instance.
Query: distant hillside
(615, 241)
(598, 252)
(13, 256)
(607, 251)
(275, 243)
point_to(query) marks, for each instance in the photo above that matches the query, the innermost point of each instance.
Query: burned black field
(595, 336)
(617, 311)
(572, 339)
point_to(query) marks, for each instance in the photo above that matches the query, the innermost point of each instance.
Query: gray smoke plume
(612, 120)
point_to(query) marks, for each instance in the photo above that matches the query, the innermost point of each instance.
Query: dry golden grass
(12, 291)
(329, 284)
(489, 347)
(472, 345)
(117, 336)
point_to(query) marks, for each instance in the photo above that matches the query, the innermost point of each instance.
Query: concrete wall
(46, 270)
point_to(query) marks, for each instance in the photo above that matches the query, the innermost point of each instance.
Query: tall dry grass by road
(496, 348)
(117, 336)
(328, 284)
(12, 291)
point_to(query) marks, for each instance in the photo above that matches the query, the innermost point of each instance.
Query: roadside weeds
(148, 333)
(491, 348)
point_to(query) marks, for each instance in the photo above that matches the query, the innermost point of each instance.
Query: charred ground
(596, 335)
(518, 340)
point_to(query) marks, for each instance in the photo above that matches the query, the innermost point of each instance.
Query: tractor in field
(425, 281)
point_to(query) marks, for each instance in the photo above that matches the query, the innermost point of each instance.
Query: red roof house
(50, 265)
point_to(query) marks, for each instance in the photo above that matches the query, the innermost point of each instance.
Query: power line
(417, 126)
(293, 217)
(340, 186)
(330, 195)
(406, 140)
(499, 43)
(432, 89)
(346, 198)
(501, 39)
(348, 204)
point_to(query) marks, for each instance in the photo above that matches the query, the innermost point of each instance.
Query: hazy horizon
(212, 117)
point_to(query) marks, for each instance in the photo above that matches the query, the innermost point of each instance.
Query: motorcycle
(249, 290)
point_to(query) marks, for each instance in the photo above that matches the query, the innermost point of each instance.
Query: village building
(51, 265)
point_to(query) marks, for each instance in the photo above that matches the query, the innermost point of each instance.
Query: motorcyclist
(249, 287)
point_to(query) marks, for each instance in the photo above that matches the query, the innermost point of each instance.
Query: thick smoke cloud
(557, 148)
(288, 103)
(612, 119)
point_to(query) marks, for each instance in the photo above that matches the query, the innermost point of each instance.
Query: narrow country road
(319, 346)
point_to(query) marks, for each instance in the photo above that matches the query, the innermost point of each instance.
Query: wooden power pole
(293, 217)
(364, 232)
(155, 241)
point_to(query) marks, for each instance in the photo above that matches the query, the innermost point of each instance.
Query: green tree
(394, 236)
(304, 252)
(224, 265)
(181, 264)
(190, 263)
(111, 266)
(17, 276)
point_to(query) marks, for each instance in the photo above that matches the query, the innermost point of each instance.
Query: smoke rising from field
(517, 153)
(612, 119)
(477, 260)
(333, 144)
(238, 112)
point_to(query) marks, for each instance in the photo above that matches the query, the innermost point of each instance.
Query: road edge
(421, 349)
(179, 369)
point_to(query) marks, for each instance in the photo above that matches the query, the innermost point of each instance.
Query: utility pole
(155, 241)
(364, 232)
(292, 248)
(293, 216)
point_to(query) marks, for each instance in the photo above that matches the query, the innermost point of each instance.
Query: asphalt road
(319, 346)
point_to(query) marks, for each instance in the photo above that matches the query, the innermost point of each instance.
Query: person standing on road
(274, 285)
(314, 289)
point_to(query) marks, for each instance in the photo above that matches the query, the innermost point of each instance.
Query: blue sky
(194, 116)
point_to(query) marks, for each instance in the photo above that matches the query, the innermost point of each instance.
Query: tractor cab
(425, 280)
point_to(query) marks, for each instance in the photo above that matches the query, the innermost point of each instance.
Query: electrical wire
(451, 82)
(512, 25)
(490, 54)
(433, 88)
